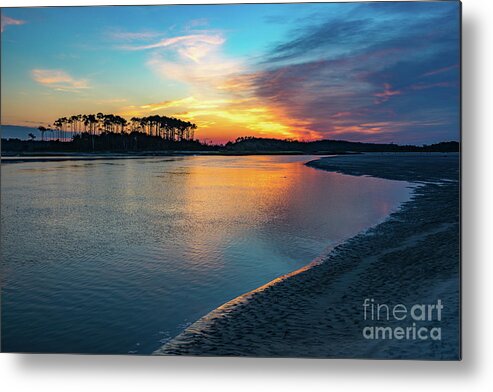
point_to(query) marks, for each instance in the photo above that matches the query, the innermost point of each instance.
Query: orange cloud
(222, 100)
(58, 80)
(220, 117)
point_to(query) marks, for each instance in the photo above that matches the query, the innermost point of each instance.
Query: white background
(93, 373)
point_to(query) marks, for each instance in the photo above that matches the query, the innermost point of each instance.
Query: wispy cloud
(7, 21)
(111, 101)
(222, 88)
(361, 77)
(195, 23)
(187, 103)
(425, 86)
(210, 114)
(374, 74)
(194, 46)
(220, 84)
(384, 96)
(441, 70)
(58, 80)
(325, 39)
(198, 61)
(132, 35)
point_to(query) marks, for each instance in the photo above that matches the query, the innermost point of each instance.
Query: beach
(413, 257)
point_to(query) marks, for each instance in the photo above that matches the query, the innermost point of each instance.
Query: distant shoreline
(412, 257)
(68, 156)
(54, 156)
(138, 143)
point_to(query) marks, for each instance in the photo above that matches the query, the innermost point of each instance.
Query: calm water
(118, 256)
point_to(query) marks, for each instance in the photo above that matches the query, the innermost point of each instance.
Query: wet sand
(413, 257)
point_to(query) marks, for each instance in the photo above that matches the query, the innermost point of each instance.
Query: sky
(375, 72)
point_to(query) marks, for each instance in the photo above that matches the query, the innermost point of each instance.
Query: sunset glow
(303, 71)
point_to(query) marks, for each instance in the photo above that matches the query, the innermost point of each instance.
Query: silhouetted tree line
(65, 128)
(150, 135)
(109, 132)
(254, 144)
(133, 141)
(169, 128)
(106, 142)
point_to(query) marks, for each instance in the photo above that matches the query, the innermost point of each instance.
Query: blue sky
(383, 72)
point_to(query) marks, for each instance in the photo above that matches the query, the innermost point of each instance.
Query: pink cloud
(424, 86)
(132, 36)
(440, 70)
(386, 94)
(341, 114)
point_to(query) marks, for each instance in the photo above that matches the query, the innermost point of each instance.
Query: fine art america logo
(412, 322)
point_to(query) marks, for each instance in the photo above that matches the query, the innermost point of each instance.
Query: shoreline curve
(313, 311)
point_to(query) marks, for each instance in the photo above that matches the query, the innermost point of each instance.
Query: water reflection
(115, 256)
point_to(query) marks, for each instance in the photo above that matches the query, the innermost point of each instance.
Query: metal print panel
(264, 180)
